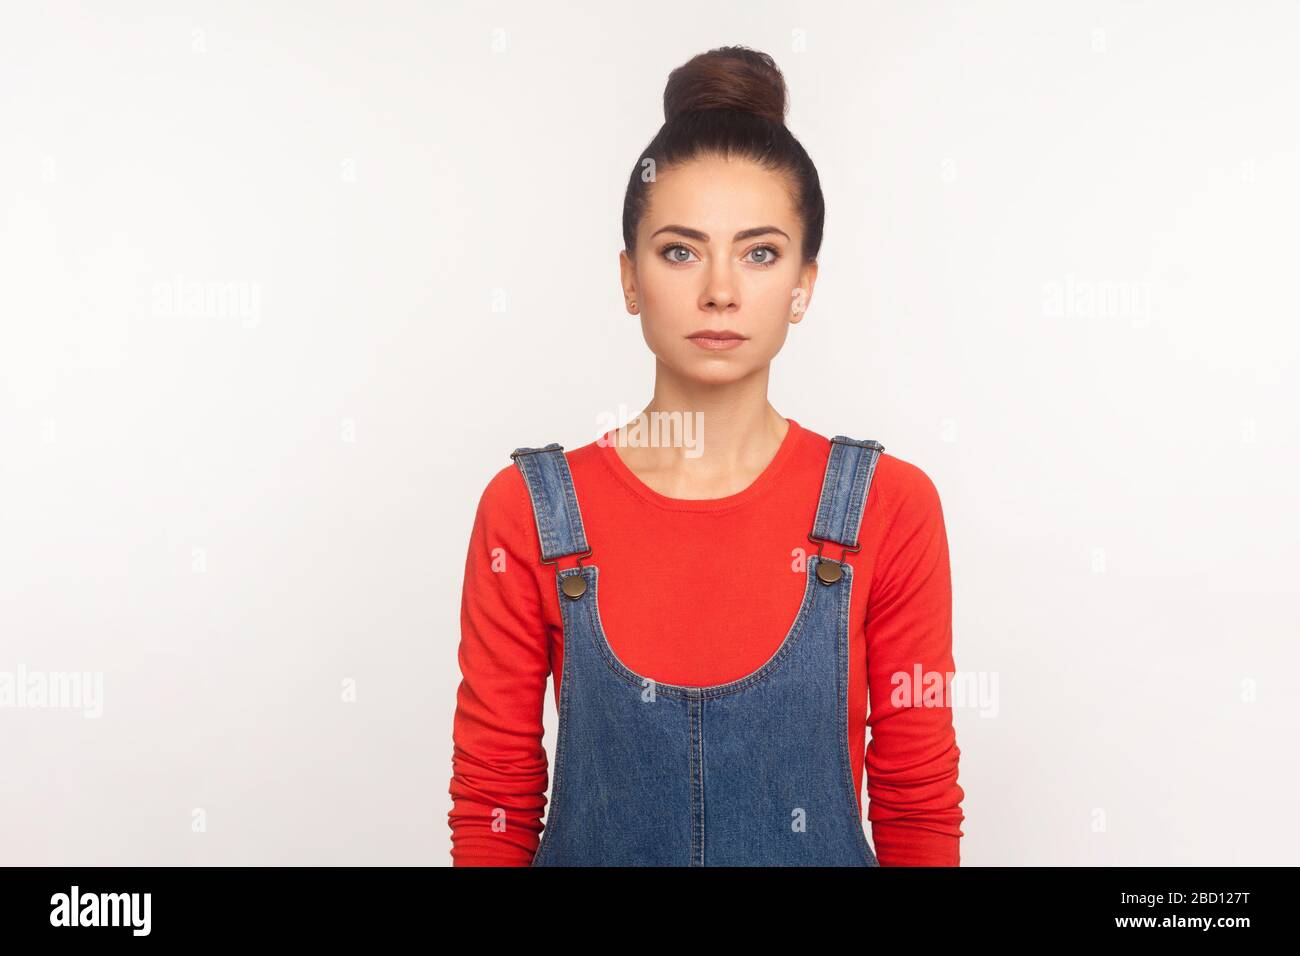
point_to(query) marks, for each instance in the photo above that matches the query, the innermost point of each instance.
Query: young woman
(717, 616)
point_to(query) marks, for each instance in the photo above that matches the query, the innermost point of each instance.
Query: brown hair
(730, 101)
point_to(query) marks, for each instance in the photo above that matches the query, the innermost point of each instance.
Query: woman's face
(718, 250)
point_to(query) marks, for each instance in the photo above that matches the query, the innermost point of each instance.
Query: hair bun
(727, 78)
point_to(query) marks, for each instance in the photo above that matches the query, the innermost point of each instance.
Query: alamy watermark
(1098, 299)
(656, 430)
(76, 908)
(194, 299)
(57, 690)
(922, 688)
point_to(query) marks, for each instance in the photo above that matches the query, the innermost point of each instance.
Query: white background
(229, 511)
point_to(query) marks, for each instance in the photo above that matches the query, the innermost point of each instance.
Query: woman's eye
(671, 253)
(767, 255)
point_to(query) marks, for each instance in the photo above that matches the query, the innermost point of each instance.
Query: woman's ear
(627, 276)
(801, 294)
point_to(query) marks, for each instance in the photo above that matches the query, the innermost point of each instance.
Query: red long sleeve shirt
(702, 592)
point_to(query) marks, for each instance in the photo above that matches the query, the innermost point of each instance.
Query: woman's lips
(716, 345)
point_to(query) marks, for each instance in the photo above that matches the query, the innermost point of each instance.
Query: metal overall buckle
(574, 585)
(828, 569)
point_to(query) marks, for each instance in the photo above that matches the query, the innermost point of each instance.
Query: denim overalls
(754, 772)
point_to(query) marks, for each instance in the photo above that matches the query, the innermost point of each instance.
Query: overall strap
(555, 505)
(844, 490)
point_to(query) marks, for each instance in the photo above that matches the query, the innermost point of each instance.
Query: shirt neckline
(766, 478)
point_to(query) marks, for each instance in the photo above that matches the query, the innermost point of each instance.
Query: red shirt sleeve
(912, 756)
(499, 769)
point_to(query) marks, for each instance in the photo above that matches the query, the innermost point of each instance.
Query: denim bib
(753, 772)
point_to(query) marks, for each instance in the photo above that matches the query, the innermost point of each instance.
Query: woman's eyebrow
(703, 237)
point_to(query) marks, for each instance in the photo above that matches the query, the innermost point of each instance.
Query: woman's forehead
(718, 195)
